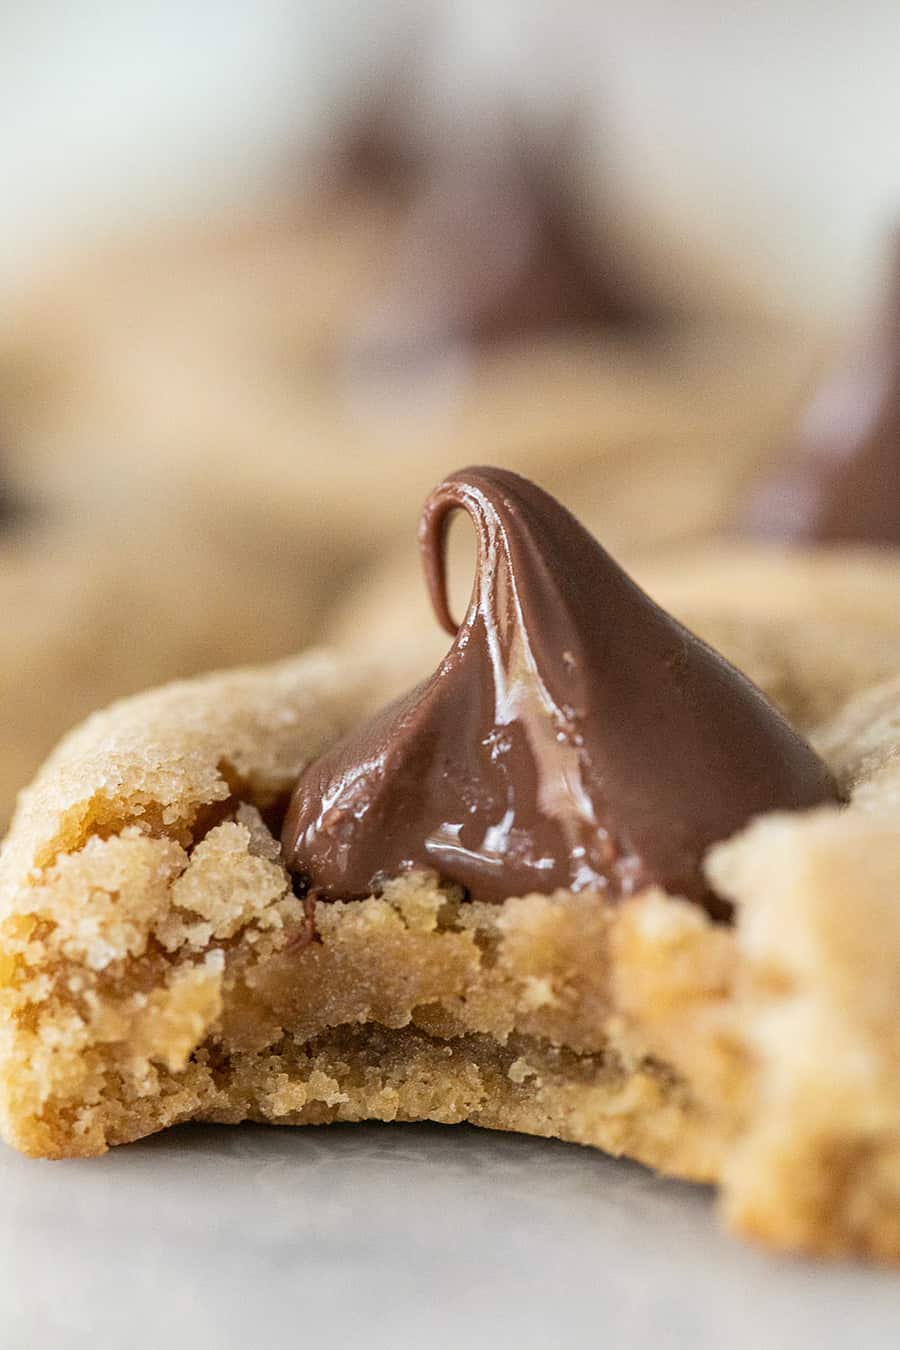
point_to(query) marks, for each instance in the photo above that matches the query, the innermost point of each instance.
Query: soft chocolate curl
(433, 542)
(575, 736)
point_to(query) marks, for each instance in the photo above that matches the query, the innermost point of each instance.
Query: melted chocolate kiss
(574, 736)
(840, 480)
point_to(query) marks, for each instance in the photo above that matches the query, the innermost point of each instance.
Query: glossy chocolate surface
(574, 736)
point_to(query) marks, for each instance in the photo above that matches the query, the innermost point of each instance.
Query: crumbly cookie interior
(156, 966)
(191, 992)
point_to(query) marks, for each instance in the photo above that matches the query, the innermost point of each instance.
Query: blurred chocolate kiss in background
(492, 243)
(839, 480)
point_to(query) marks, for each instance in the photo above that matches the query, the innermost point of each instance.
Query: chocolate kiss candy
(574, 735)
(489, 246)
(496, 254)
(840, 480)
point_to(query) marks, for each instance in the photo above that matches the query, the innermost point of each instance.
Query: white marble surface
(398, 1236)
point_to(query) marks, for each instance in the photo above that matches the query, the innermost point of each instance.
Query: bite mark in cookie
(154, 967)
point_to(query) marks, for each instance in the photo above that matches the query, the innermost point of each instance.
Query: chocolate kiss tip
(574, 737)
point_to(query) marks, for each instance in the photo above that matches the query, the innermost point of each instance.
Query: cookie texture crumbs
(151, 972)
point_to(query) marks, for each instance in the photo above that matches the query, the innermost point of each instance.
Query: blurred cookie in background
(97, 608)
(134, 359)
(230, 370)
(443, 293)
(664, 456)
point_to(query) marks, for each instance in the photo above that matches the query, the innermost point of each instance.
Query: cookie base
(156, 967)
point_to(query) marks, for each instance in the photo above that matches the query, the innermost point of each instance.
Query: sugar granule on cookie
(698, 913)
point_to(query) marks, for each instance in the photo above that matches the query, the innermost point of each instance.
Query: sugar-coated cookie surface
(94, 614)
(156, 966)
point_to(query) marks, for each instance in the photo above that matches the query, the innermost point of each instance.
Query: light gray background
(398, 1237)
(762, 135)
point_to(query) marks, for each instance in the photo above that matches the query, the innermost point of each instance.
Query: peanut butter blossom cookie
(572, 738)
(584, 881)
